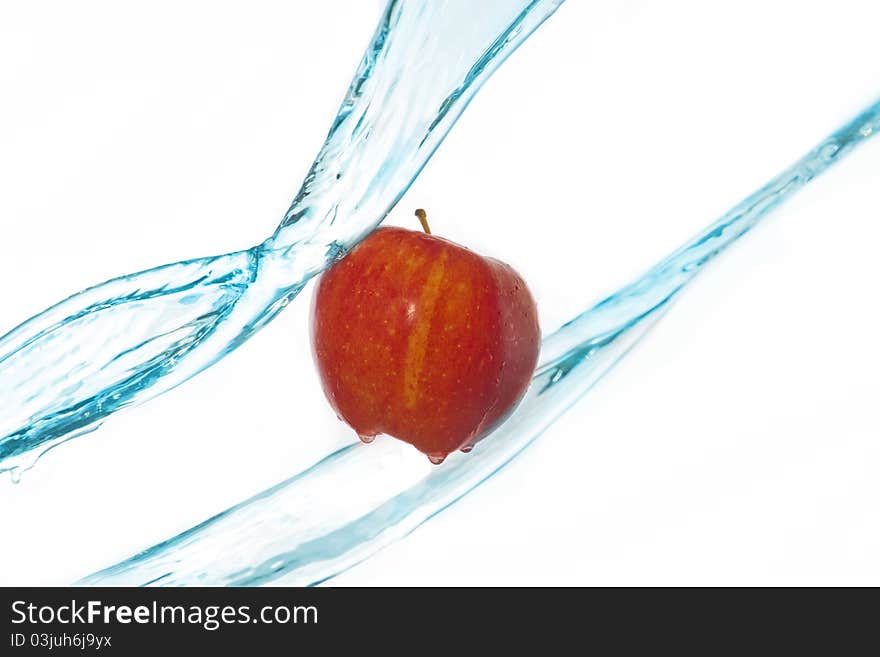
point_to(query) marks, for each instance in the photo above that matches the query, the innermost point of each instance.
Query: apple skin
(421, 339)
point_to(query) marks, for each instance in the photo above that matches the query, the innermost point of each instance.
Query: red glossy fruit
(424, 340)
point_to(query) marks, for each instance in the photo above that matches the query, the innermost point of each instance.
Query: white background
(737, 445)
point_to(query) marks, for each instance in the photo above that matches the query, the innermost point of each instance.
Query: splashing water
(132, 338)
(311, 527)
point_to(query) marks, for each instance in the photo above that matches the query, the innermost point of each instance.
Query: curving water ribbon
(130, 339)
(361, 498)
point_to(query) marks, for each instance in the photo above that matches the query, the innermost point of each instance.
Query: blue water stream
(362, 497)
(123, 342)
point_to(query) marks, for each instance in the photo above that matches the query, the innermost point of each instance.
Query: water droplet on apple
(367, 439)
(436, 460)
(467, 448)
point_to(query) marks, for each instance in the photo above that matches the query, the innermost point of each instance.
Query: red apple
(421, 339)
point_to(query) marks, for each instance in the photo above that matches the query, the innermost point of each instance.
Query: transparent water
(128, 340)
(161, 327)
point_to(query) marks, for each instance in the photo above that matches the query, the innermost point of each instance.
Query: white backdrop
(737, 445)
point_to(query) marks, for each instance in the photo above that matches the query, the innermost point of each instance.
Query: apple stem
(423, 217)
